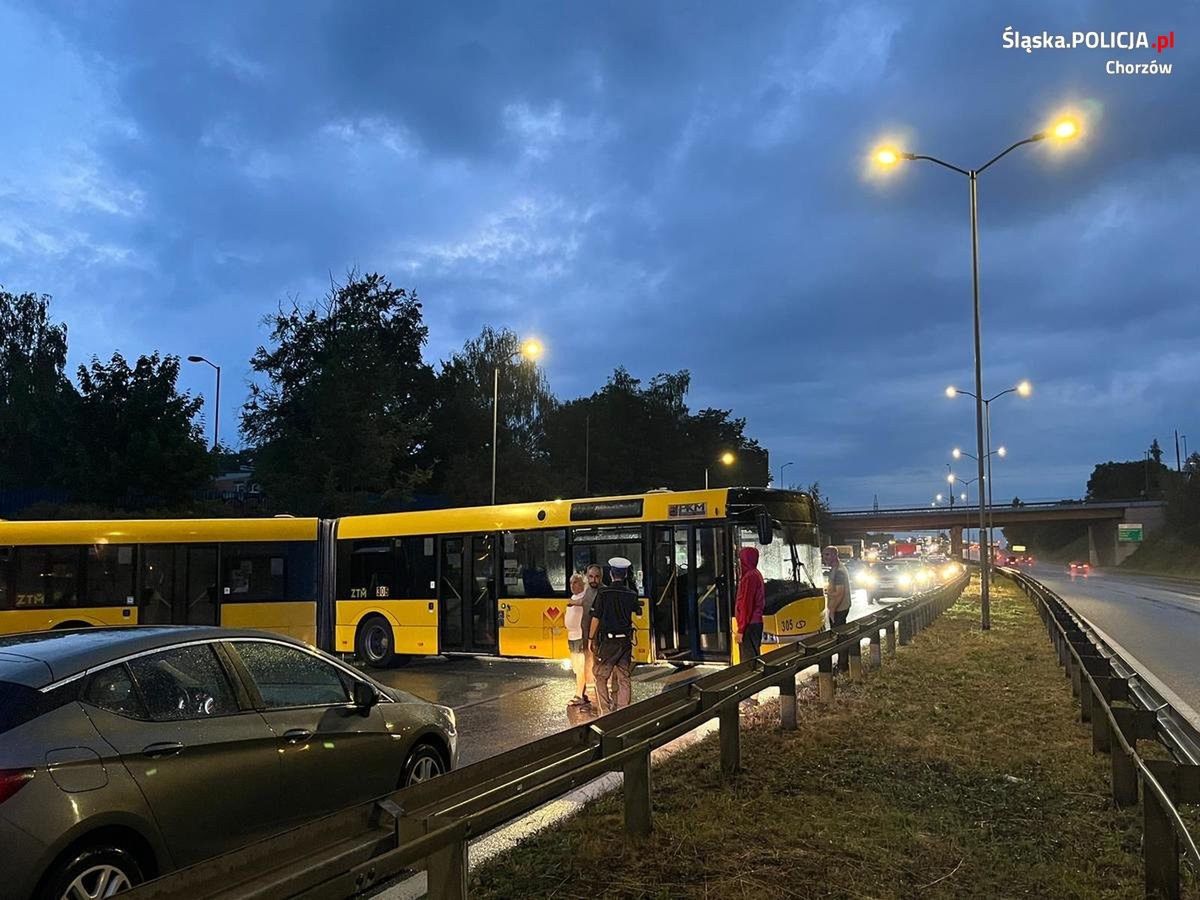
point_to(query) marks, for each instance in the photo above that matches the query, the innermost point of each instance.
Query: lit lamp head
(1065, 129)
(727, 458)
(951, 391)
(886, 156)
(956, 453)
(1002, 451)
(531, 349)
(1024, 389)
(950, 479)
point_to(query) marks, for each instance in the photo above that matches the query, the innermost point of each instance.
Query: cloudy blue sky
(656, 185)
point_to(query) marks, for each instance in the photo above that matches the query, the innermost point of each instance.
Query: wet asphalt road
(1156, 620)
(502, 703)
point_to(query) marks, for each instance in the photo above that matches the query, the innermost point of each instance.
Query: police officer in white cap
(612, 637)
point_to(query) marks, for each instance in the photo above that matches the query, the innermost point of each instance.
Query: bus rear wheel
(376, 644)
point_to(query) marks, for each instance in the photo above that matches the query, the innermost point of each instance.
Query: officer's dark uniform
(614, 608)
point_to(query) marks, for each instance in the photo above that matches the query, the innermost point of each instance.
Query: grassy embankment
(958, 770)
(1165, 555)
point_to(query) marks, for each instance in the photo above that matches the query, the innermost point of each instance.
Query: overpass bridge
(1101, 517)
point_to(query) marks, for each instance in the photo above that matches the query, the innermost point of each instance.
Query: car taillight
(12, 780)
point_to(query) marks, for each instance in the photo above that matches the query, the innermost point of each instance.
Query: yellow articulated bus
(494, 580)
(251, 573)
(488, 580)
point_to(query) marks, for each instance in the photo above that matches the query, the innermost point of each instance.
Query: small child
(576, 641)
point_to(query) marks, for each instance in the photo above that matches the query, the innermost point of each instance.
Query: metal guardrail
(429, 825)
(1123, 708)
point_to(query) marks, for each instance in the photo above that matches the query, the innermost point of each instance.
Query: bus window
(599, 545)
(416, 569)
(47, 577)
(109, 575)
(6, 555)
(372, 570)
(786, 565)
(156, 606)
(254, 572)
(535, 563)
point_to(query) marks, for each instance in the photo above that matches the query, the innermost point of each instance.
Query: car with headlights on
(128, 752)
(896, 578)
(1079, 567)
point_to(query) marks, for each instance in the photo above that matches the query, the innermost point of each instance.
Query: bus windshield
(789, 565)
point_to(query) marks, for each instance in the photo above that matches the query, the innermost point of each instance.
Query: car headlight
(923, 575)
(950, 571)
(905, 580)
(866, 579)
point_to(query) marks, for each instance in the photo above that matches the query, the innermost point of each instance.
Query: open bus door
(691, 607)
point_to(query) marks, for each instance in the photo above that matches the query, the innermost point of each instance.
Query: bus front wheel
(376, 643)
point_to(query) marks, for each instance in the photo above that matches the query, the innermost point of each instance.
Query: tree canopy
(343, 415)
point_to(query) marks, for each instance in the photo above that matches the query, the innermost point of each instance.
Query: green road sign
(1129, 534)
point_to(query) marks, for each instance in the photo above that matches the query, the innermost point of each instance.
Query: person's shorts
(576, 646)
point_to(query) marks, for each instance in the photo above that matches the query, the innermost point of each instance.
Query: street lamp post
(1063, 130)
(726, 459)
(530, 350)
(217, 403)
(1022, 389)
(781, 468)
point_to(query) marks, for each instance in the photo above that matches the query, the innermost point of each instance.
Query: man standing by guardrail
(612, 637)
(837, 591)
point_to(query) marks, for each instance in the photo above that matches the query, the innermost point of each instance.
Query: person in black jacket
(612, 637)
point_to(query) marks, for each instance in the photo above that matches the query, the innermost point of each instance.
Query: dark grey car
(128, 752)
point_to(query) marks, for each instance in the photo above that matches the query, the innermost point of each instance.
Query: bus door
(467, 594)
(178, 585)
(671, 599)
(710, 586)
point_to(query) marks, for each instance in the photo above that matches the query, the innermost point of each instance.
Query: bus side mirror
(766, 531)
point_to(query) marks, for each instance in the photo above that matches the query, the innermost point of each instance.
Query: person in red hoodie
(748, 609)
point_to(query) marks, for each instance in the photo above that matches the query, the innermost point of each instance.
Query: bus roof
(655, 506)
(156, 531)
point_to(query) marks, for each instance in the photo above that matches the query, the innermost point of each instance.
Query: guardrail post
(876, 655)
(787, 702)
(1101, 731)
(638, 821)
(891, 639)
(905, 630)
(731, 738)
(1124, 779)
(446, 872)
(1085, 700)
(854, 655)
(825, 679)
(1076, 678)
(1160, 843)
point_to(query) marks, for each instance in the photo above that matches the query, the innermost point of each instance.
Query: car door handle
(297, 735)
(164, 748)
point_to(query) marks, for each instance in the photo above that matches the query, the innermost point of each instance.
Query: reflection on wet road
(503, 703)
(1156, 620)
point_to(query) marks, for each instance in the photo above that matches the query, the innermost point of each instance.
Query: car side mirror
(766, 531)
(365, 696)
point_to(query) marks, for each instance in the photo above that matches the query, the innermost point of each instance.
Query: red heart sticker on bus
(553, 612)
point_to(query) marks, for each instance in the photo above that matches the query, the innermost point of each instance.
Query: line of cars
(900, 577)
(128, 752)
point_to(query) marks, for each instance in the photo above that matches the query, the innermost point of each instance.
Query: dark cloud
(658, 186)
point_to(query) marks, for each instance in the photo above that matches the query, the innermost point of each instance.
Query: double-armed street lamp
(1023, 389)
(886, 157)
(217, 403)
(530, 350)
(725, 459)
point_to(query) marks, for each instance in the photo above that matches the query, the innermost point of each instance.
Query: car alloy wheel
(97, 881)
(425, 763)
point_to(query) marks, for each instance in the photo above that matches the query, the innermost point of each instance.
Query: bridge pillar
(956, 549)
(1102, 543)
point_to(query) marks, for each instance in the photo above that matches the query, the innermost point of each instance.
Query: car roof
(39, 658)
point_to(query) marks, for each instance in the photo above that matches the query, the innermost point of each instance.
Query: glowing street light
(1063, 129)
(530, 350)
(725, 459)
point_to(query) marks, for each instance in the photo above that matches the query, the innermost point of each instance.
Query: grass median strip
(958, 769)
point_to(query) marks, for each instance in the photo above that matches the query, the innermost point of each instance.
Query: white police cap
(619, 563)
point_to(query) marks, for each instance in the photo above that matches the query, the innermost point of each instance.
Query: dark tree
(138, 438)
(1126, 480)
(1156, 452)
(344, 414)
(36, 398)
(460, 443)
